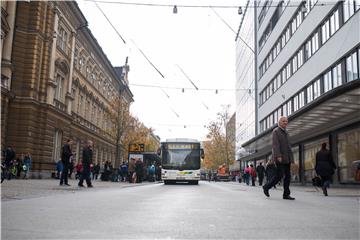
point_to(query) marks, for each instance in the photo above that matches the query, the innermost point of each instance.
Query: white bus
(180, 160)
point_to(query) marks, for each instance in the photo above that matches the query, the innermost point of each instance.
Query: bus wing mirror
(158, 151)
(202, 154)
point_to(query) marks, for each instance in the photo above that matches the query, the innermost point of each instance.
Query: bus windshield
(181, 159)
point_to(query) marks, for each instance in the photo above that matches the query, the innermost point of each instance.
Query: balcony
(59, 105)
(82, 121)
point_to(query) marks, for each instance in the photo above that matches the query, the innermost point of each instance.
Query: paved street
(40, 209)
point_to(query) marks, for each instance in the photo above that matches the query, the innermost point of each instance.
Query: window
(283, 76)
(337, 78)
(325, 31)
(296, 103)
(62, 39)
(328, 81)
(352, 67)
(310, 94)
(284, 112)
(288, 70)
(57, 145)
(315, 43)
(317, 89)
(289, 107)
(295, 63)
(278, 113)
(76, 52)
(59, 88)
(300, 58)
(293, 26)
(334, 22)
(348, 9)
(301, 99)
(278, 80)
(287, 34)
(308, 49)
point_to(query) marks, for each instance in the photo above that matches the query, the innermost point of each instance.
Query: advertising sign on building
(136, 147)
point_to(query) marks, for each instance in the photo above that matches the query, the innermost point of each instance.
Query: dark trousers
(282, 170)
(85, 175)
(64, 174)
(325, 181)
(261, 178)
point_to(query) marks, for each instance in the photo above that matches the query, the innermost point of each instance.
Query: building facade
(308, 57)
(58, 84)
(245, 80)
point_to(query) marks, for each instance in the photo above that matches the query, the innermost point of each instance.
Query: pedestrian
(79, 168)
(260, 172)
(283, 157)
(210, 175)
(71, 165)
(139, 170)
(252, 174)
(9, 159)
(131, 169)
(324, 167)
(96, 171)
(151, 173)
(27, 164)
(65, 159)
(86, 163)
(124, 172)
(247, 174)
(59, 168)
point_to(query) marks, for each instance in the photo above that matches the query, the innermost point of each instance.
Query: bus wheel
(166, 182)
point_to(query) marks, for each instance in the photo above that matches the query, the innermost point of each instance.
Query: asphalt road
(158, 211)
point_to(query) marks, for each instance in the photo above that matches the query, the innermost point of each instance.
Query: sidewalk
(17, 189)
(334, 190)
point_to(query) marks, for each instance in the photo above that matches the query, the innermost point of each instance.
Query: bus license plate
(180, 178)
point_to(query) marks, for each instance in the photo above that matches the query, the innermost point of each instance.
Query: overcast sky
(195, 40)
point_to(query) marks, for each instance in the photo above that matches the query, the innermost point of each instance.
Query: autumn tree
(219, 147)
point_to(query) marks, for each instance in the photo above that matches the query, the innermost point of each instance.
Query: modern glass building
(307, 68)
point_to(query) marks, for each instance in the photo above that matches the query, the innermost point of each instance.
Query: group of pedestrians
(67, 154)
(278, 167)
(12, 167)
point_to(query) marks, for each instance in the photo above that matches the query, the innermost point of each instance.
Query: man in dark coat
(324, 167)
(86, 162)
(283, 157)
(65, 159)
(260, 172)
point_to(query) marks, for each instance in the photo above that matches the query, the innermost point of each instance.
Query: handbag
(316, 181)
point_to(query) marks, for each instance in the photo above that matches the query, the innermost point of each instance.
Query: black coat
(87, 157)
(324, 165)
(66, 154)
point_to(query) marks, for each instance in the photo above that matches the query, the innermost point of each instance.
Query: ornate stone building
(56, 84)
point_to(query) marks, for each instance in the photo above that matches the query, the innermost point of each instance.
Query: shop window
(348, 148)
(310, 150)
(294, 170)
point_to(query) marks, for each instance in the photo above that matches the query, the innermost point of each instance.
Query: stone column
(51, 84)
(7, 44)
(69, 96)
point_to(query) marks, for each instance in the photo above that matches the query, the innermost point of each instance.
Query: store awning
(335, 109)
